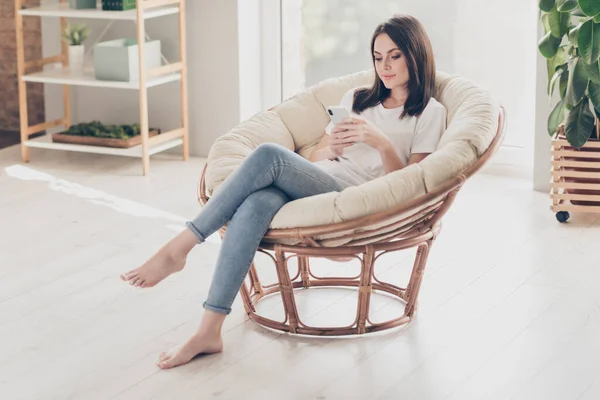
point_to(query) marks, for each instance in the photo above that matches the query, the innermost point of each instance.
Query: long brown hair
(412, 40)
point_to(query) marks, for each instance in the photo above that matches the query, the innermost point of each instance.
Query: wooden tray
(104, 142)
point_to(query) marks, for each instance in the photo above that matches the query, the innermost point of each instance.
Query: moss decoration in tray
(96, 133)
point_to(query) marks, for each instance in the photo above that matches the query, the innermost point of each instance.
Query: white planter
(76, 56)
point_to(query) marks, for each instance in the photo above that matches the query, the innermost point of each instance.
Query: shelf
(63, 10)
(62, 76)
(45, 142)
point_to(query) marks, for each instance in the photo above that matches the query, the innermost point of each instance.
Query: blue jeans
(249, 199)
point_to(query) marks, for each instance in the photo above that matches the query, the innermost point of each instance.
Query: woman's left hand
(358, 130)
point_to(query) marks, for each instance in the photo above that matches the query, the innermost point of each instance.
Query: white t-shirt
(361, 163)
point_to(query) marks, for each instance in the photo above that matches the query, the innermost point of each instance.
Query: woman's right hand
(337, 144)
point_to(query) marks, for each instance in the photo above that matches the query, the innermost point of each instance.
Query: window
(323, 39)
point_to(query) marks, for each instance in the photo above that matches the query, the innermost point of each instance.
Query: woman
(393, 124)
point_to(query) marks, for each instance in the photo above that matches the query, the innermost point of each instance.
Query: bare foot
(161, 265)
(197, 344)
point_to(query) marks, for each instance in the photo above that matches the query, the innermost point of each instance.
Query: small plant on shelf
(75, 34)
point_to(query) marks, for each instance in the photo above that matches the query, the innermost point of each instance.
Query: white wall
(249, 36)
(499, 53)
(542, 143)
(213, 77)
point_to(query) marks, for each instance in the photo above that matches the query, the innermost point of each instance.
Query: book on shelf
(118, 5)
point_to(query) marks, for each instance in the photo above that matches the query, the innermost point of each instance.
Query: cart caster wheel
(562, 216)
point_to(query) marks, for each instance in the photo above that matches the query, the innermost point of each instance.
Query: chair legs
(366, 282)
(412, 291)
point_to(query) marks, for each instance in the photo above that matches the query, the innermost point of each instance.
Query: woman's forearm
(322, 154)
(390, 159)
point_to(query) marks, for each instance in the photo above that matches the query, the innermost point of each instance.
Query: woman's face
(390, 63)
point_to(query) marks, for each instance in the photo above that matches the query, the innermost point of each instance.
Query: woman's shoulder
(434, 107)
(348, 97)
(433, 110)
(351, 92)
(434, 113)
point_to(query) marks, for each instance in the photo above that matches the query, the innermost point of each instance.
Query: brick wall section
(9, 95)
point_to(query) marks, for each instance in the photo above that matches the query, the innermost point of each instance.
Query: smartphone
(337, 114)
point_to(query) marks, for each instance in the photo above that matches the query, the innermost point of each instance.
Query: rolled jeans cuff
(218, 310)
(195, 231)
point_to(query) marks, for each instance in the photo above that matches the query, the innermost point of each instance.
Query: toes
(134, 281)
(162, 358)
(129, 275)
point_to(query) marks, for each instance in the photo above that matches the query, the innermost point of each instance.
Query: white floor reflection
(100, 198)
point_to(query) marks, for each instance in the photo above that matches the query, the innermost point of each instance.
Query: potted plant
(74, 35)
(571, 45)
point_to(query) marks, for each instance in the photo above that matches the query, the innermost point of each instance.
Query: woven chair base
(253, 291)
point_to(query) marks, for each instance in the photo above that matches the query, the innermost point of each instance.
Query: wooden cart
(575, 185)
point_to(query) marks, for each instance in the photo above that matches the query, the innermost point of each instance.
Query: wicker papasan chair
(398, 211)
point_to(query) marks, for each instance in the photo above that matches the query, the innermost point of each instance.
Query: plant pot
(76, 57)
(82, 4)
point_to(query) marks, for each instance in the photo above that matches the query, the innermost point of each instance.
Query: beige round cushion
(299, 123)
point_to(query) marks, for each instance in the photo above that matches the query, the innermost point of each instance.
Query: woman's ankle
(182, 244)
(211, 324)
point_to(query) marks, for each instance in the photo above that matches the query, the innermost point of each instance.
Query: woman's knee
(265, 201)
(270, 151)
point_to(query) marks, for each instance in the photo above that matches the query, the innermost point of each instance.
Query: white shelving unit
(62, 76)
(59, 73)
(45, 142)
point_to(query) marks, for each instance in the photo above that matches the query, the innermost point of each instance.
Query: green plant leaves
(562, 86)
(558, 75)
(559, 23)
(573, 65)
(593, 71)
(594, 92)
(578, 81)
(573, 34)
(590, 8)
(546, 5)
(555, 62)
(579, 125)
(548, 45)
(75, 34)
(557, 116)
(588, 40)
(566, 5)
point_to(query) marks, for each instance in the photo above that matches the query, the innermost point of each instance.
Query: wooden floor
(510, 305)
